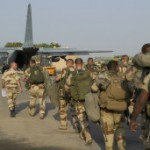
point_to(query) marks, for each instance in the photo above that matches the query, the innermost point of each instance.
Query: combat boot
(31, 111)
(12, 113)
(88, 138)
(81, 135)
(42, 116)
(63, 125)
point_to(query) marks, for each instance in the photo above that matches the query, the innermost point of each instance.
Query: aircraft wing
(9, 49)
(69, 51)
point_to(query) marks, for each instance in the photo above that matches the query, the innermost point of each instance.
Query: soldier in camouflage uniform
(124, 65)
(36, 89)
(142, 103)
(11, 81)
(81, 82)
(111, 117)
(92, 68)
(64, 95)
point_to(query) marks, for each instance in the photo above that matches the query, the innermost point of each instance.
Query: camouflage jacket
(10, 78)
(92, 68)
(146, 84)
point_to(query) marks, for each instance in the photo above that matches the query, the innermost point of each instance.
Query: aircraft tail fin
(28, 43)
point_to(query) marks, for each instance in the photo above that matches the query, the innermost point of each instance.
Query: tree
(44, 45)
(54, 45)
(13, 44)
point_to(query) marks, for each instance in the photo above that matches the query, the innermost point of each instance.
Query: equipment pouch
(114, 105)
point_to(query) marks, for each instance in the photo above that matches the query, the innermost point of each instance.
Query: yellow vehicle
(50, 69)
(46, 62)
(47, 65)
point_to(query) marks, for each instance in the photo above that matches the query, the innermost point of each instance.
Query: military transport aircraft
(23, 54)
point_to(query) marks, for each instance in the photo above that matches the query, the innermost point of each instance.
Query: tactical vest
(81, 84)
(116, 95)
(36, 75)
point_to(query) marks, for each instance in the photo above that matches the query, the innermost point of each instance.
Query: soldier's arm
(19, 85)
(18, 82)
(61, 75)
(140, 104)
(26, 74)
(142, 98)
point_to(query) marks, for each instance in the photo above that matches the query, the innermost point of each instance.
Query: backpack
(142, 60)
(116, 94)
(36, 75)
(92, 106)
(81, 84)
(118, 88)
(51, 89)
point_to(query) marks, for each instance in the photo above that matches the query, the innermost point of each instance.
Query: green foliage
(44, 45)
(14, 44)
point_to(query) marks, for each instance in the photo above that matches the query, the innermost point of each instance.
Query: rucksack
(92, 106)
(118, 88)
(51, 89)
(81, 84)
(36, 75)
(116, 95)
(142, 60)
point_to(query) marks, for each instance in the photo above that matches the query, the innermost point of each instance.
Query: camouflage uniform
(111, 121)
(10, 79)
(64, 98)
(79, 103)
(93, 69)
(36, 91)
(145, 120)
(146, 85)
(123, 69)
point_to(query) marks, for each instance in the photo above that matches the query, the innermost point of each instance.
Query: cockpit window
(3, 58)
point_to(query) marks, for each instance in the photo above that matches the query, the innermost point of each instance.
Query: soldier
(124, 66)
(81, 82)
(92, 68)
(35, 83)
(64, 95)
(140, 105)
(113, 103)
(11, 81)
(142, 101)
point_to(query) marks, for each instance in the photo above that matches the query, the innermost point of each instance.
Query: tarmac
(31, 133)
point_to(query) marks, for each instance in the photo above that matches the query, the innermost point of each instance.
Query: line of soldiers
(116, 85)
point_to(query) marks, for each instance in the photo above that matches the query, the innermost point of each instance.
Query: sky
(119, 25)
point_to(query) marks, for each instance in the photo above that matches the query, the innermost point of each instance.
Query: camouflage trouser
(112, 126)
(11, 96)
(145, 130)
(81, 115)
(63, 107)
(63, 112)
(37, 93)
